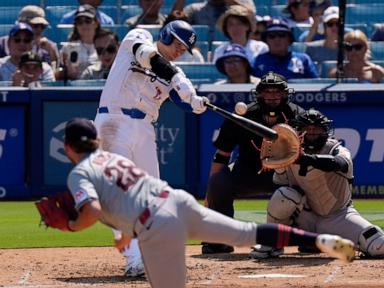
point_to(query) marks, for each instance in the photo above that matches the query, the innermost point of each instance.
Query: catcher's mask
(272, 80)
(315, 118)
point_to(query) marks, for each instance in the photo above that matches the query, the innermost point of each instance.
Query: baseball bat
(252, 126)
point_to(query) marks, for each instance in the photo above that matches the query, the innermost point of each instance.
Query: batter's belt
(131, 112)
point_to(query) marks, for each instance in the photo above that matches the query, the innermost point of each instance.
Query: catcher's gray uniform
(161, 218)
(326, 206)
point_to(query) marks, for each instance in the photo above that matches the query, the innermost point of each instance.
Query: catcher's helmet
(181, 30)
(272, 80)
(316, 118)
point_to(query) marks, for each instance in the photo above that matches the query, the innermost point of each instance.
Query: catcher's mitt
(283, 151)
(56, 210)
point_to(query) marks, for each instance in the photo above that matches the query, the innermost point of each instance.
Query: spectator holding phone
(79, 52)
(106, 44)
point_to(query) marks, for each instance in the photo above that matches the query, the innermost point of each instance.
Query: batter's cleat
(336, 246)
(134, 268)
(262, 252)
(213, 248)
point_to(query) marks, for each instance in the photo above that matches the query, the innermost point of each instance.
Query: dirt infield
(103, 267)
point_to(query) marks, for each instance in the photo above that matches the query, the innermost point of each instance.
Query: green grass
(19, 224)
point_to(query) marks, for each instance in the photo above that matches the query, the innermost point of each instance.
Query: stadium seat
(154, 29)
(202, 32)
(298, 47)
(364, 13)
(377, 50)
(9, 14)
(55, 13)
(219, 36)
(128, 11)
(196, 71)
(204, 48)
(5, 28)
(325, 67)
(92, 83)
(19, 2)
(277, 11)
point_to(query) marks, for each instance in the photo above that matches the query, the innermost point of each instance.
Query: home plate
(253, 276)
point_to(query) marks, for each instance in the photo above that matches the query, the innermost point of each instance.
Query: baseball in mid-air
(241, 108)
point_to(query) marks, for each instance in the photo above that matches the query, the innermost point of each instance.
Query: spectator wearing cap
(103, 18)
(238, 24)
(150, 14)
(29, 72)
(106, 44)
(234, 63)
(316, 32)
(20, 41)
(35, 17)
(79, 52)
(298, 11)
(261, 26)
(279, 59)
(326, 49)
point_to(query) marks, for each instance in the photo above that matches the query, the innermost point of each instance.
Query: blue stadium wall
(33, 164)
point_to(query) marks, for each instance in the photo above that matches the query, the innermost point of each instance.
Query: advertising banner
(12, 152)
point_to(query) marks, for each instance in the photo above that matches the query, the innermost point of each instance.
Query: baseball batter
(110, 188)
(315, 193)
(140, 80)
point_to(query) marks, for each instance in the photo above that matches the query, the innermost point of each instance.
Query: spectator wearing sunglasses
(357, 54)
(326, 49)
(103, 18)
(20, 41)
(79, 52)
(280, 59)
(106, 44)
(34, 16)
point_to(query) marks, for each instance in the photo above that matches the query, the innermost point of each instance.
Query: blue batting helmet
(181, 30)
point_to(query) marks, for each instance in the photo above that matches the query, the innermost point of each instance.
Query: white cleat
(134, 268)
(337, 247)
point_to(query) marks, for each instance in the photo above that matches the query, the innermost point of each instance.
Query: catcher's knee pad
(371, 242)
(284, 203)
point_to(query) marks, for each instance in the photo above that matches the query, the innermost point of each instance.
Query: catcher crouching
(109, 188)
(315, 190)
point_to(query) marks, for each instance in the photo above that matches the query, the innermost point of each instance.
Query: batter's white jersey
(131, 86)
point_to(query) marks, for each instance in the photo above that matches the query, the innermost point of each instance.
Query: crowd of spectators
(267, 41)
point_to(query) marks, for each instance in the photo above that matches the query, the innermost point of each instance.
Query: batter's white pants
(132, 138)
(162, 241)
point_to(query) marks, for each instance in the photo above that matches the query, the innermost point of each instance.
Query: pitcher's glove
(283, 151)
(56, 210)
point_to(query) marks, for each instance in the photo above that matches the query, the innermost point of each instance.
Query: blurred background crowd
(56, 42)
